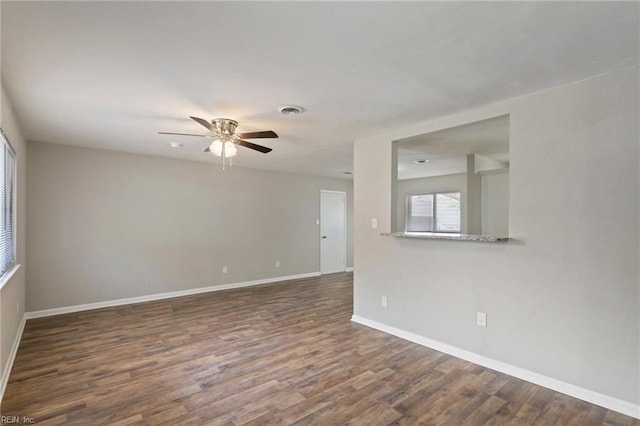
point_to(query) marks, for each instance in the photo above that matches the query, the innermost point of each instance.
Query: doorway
(333, 231)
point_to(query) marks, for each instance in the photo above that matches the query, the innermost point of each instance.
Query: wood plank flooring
(285, 353)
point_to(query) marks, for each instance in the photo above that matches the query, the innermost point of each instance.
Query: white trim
(12, 356)
(8, 275)
(349, 269)
(159, 296)
(593, 397)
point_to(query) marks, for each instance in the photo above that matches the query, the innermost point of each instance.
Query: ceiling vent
(291, 109)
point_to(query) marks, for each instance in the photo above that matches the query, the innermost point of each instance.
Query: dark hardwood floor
(284, 353)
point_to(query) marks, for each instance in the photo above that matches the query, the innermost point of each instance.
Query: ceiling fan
(225, 138)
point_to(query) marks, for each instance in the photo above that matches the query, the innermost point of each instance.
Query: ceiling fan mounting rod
(224, 126)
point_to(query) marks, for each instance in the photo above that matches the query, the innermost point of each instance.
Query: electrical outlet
(374, 222)
(277, 263)
(224, 269)
(383, 301)
(481, 319)
(317, 221)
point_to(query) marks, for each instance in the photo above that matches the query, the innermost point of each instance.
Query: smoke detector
(291, 109)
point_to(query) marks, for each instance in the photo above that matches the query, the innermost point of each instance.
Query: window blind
(7, 206)
(448, 212)
(420, 213)
(439, 212)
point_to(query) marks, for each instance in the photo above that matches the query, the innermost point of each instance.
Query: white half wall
(562, 298)
(106, 225)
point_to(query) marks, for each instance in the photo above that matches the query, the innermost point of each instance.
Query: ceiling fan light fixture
(290, 110)
(230, 149)
(225, 149)
(216, 148)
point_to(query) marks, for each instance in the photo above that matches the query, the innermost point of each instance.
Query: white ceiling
(112, 74)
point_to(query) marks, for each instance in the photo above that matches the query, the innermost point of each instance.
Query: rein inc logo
(16, 420)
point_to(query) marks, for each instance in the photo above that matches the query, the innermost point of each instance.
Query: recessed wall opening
(453, 181)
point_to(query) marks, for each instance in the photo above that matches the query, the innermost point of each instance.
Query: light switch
(374, 222)
(481, 319)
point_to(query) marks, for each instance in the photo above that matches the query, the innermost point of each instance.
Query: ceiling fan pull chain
(224, 159)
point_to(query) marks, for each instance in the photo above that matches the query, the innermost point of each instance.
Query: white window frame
(435, 209)
(6, 271)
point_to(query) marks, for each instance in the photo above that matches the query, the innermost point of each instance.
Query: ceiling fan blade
(184, 134)
(204, 123)
(207, 149)
(258, 135)
(250, 145)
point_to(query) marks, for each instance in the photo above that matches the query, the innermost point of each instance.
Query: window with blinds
(436, 212)
(7, 206)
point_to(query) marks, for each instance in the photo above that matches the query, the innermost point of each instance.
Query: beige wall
(495, 203)
(562, 298)
(106, 225)
(12, 295)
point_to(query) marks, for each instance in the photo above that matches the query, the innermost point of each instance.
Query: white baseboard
(12, 356)
(349, 269)
(159, 296)
(590, 396)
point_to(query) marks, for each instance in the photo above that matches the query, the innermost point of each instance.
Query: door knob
(324, 236)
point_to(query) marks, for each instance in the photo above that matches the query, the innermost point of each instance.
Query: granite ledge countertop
(445, 236)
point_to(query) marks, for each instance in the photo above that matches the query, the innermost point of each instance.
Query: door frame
(344, 236)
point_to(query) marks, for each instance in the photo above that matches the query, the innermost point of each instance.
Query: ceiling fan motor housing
(224, 126)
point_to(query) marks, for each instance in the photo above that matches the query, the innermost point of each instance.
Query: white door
(333, 231)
